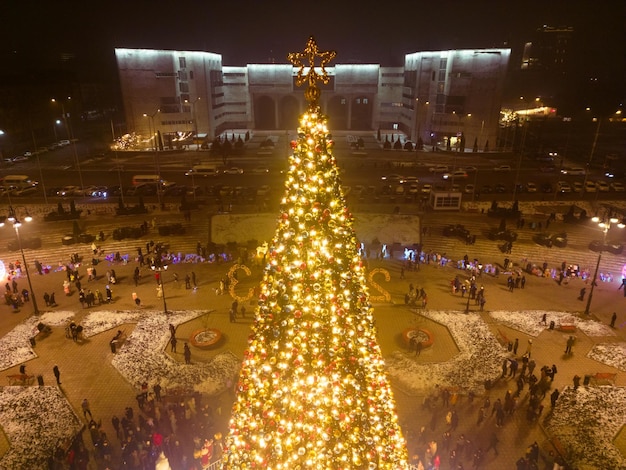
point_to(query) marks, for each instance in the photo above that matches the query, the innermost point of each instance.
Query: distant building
(442, 98)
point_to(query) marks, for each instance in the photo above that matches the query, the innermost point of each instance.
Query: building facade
(447, 98)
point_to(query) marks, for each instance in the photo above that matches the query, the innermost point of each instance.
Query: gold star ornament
(307, 72)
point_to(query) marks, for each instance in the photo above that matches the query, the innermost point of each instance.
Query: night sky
(35, 34)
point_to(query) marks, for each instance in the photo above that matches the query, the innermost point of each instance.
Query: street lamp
(154, 134)
(160, 269)
(70, 136)
(12, 218)
(605, 225)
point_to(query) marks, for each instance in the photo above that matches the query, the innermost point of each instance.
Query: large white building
(436, 97)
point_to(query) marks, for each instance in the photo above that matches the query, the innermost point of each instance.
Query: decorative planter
(206, 338)
(426, 337)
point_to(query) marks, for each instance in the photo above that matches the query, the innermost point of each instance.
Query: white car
(414, 189)
(233, 170)
(617, 186)
(427, 188)
(531, 187)
(502, 168)
(577, 186)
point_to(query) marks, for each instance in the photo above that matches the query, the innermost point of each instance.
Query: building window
(182, 62)
(365, 100)
(191, 75)
(395, 126)
(183, 87)
(342, 101)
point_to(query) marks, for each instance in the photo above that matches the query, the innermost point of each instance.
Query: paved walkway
(86, 371)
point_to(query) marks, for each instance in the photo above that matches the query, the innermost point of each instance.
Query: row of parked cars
(31, 153)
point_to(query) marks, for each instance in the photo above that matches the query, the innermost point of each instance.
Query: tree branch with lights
(312, 392)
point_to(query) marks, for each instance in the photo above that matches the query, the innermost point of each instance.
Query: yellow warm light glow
(312, 392)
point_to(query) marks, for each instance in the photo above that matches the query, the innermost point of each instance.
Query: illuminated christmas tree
(312, 392)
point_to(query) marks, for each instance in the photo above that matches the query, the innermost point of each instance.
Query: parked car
(25, 192)
(497, 234)
(500, 188)
(392, 178)
(573, 170)
(563, 187)
(577, 186)
(457, 230)
(427, 188)
(590, 187)
(602, 186)
(469, 189)
(32, 243)
(559, 239)
(439, 169)
(233, 170)
(259, 170)
(486, 188)
(612, 247)
(531, 187)
(67, 191)
(502, 168)
(414, 189)
(617, 186)
(546, 188)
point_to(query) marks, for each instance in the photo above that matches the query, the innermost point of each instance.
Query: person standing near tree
(173, 342)
(613, 318)
(57, 374)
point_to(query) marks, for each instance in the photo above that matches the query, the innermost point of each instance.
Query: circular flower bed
(206, 338)
(424, 336)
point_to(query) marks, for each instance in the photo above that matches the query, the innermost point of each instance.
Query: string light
(312, 392)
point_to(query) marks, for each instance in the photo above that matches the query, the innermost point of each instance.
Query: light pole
(605, 225)
(16, 225)
(160, 269)
(194, 117)
(152, 129)
(70, 136)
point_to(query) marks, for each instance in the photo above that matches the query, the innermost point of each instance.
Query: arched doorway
(361, 113)
(264, 113)
(288, 112)
(338, 112)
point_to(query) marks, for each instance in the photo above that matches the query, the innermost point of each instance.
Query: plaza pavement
(86, 370)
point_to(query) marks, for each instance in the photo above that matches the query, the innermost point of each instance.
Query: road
(360, 169)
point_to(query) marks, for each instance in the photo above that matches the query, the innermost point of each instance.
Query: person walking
(173, 342)
(583, 291)
(57, 374)
(613, 318)
(515, 345)
(187, 354)
(418, 347)
(569, 344)
(554, 396)
(529, 347)
(86, 409)
(187, 282)
(193, 279)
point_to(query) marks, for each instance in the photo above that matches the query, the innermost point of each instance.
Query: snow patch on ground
(15, 347)
(611, 354)
(529, 322)
(35, 420)
(480, 357)
(586, 421)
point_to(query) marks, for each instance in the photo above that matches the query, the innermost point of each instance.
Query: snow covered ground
(586, 421)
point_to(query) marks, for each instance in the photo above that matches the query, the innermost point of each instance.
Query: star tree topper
(311, 52)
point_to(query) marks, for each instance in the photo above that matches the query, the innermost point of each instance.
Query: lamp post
(161, 269)
(605, 225)
(16, 225)
(194, 118)
(70, 136)
(154, 134)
